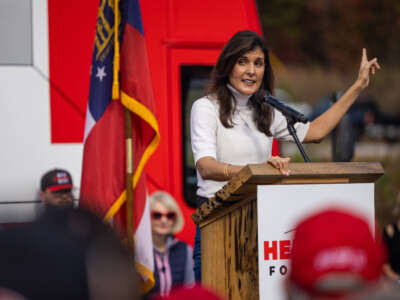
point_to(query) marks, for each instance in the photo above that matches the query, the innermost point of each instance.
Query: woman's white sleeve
(203, 129)
(279, 128)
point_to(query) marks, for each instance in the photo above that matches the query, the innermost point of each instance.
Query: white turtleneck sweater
(240, 145)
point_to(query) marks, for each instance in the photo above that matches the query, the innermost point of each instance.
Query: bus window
(193, 82)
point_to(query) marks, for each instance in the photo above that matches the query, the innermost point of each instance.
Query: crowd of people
(68, 253)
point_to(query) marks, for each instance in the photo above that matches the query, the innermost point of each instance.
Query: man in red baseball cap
(56, 188)
(334, 256)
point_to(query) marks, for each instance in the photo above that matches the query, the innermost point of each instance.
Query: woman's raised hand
(281, 163)
(366, 67)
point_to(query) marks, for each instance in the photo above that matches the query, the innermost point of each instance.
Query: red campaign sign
(273, 248)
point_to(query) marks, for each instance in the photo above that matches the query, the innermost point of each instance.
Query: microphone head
(263, 96)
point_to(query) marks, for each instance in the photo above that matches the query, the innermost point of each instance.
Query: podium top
(244, 184)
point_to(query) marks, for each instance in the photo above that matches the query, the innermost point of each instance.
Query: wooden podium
(228, 221)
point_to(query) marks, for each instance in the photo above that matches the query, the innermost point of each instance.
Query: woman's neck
(160, 242)
(241, 99)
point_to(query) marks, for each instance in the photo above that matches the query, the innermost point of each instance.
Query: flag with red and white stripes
(103, 185)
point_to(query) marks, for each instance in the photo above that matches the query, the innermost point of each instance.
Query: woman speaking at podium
(230, 128)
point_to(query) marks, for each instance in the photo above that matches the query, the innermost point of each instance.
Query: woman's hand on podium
(281, 163)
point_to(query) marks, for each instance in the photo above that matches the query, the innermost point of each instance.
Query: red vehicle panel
(179, 34)
(184, 33)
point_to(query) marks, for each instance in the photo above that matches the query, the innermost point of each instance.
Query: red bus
(184, 39)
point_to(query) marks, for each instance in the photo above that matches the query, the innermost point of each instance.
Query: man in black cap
(56, 188)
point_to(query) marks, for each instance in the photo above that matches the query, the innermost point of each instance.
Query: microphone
(265, 96)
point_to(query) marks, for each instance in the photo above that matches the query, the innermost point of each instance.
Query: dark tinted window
(193, 83)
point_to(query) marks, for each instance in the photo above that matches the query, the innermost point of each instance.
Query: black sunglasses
(156, 215)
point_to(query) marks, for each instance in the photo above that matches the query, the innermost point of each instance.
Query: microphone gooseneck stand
(290, 122)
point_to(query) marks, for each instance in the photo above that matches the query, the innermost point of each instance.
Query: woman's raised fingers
(364, 56)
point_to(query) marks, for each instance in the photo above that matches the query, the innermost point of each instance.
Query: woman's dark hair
(241, 43)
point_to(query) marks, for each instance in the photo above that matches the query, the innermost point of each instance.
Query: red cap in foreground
(194, 293)
(334, 253)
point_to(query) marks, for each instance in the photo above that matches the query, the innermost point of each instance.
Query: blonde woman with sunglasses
(173, 264)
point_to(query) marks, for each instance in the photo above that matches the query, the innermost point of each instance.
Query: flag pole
(128, 134)
(129, 179)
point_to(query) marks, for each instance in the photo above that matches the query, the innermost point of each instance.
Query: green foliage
(387, 193)
(331, 32)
